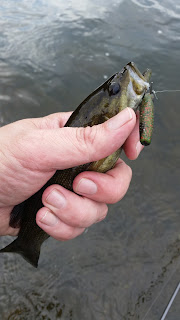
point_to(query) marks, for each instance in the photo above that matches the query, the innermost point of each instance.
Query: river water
(52, 55)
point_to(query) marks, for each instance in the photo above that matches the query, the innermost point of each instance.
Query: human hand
(33, 149)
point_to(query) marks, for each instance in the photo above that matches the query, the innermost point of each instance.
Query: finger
(132, 145)
(52, 121)
(68, 147)
(56, 228)
(109, 187)
(72, 209)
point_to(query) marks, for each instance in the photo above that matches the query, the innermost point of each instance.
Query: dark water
(52, 55)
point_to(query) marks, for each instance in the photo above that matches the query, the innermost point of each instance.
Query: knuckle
(129, 172)
(120, 182)
(86, 138)
(104, 211)
(116, 195)
(23, 149)
(79, 220)
(119, 191)
(68, 234)
(88, 215)
(101, 212)
(124, 189)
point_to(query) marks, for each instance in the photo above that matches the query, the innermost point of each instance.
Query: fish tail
(29, 255)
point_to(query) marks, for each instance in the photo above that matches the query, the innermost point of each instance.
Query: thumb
(68, 147)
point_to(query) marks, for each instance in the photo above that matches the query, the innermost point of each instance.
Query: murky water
(52, 55)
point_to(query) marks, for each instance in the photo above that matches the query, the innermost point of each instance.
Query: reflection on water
(172, 11)
(52, 55)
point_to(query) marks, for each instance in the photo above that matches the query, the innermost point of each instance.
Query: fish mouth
(137, 76)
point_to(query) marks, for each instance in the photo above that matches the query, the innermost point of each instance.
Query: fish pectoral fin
(27, 253)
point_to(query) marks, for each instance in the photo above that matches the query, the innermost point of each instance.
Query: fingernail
(49, 219)
(139, 148)
(56, 199)
(120, 119)
(86, 186)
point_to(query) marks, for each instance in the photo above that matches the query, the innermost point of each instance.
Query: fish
(123, 89)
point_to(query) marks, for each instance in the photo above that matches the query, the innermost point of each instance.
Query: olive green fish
(126, 88)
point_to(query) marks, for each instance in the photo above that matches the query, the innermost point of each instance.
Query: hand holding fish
(45, 161)
(33, 149)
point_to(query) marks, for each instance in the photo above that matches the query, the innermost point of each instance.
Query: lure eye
(114, 88)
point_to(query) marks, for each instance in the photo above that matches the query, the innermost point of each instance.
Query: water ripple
(160, 7)
(52, 55)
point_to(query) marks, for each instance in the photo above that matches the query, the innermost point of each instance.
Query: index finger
(52, 121)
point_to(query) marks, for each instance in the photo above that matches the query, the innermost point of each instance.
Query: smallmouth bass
(126, 88)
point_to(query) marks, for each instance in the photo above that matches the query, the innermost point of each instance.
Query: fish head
(132, 86)
(123, 89)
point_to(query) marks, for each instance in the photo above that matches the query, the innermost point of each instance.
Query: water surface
(52, 55)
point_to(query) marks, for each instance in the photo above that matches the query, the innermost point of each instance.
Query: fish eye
(114, 88)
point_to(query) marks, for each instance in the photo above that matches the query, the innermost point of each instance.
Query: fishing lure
(146, 119)
(147, 115)
(146, 110)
